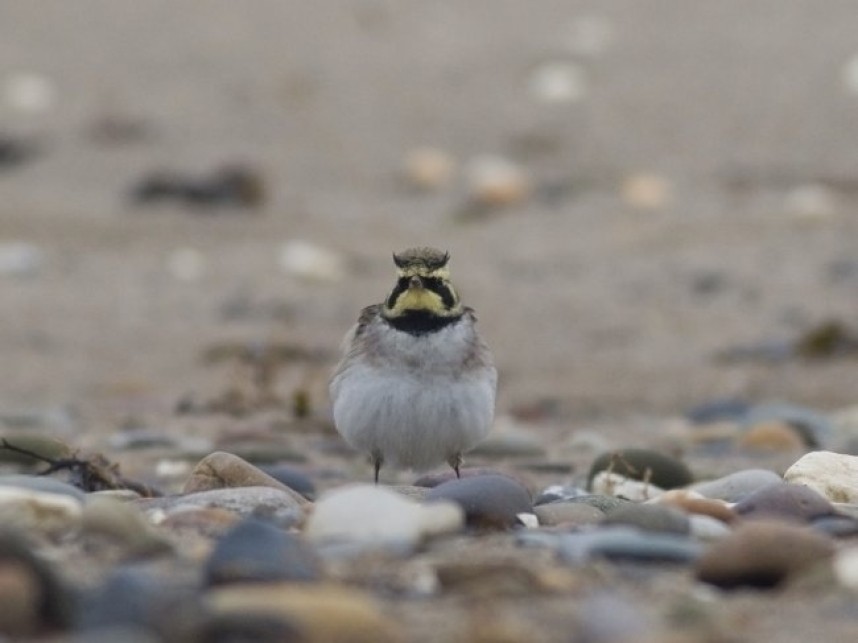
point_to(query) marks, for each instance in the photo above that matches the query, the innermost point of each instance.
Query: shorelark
(416, 384)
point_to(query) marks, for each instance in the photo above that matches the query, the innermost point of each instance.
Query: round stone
(568, 513)
(738, 485)
(785, 501)
(650, 517)
(833, 475)
(222, 470)
(489, 501)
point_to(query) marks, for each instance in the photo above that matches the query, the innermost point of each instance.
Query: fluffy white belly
(413, 423)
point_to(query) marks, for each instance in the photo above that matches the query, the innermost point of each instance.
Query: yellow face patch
(418, 299)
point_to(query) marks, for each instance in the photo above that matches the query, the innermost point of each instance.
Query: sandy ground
(604, 302)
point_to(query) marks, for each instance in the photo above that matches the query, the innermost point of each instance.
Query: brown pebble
(694, 503)
(772, 435)
(762, 554)
(221, 470)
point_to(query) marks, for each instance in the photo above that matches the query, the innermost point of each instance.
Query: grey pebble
(604, 503)
(255, 551)
(653, 518)
(42, 484)
(838, 526)
(568, 513)
(292, 478)
(489, 501)
(735, 486)
(616, 543)
(786, 501)
(557, 492)
(263, 502)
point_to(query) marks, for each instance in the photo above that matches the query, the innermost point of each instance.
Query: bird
(416, 384)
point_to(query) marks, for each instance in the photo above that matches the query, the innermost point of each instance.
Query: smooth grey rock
(785, 501)
(292, 478)
(655, 518)
(42, 484)
(255, 551)
(489, 501)
(836, 526)
(735, 486)
(124, 523)
(707, 528)
(568, 513)
(616, 543)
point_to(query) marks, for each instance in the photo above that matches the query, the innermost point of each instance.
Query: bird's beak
(415, 283)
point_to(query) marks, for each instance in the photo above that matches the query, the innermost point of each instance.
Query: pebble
(695, 503)
(832, 475)
(20, 259)
(322, 613)
(429, 168)
(650, 517)
(736, 486)
(762, 554)
(816, 429)
(836, 526)
(559, 492)
(265, 502)
(29, 92)
(496, 181)
(49, 513)
(434, 478)
(292, 478)
(614, 484)
(785, 501)
(774, 436)
(222, 470)
(647, 191)
(43, 445)
(707, 528)
(489, 501)
(255, 551)
(310, 262)
(845, 566)
(643, 464)
(568, 513)
(559, 82)
(42, 484)
(124, 523)
(616, 543)
(604, 503)
(811, 202)
(375, 517)
(33, 599)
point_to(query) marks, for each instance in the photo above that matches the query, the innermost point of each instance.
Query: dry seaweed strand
(95, 473)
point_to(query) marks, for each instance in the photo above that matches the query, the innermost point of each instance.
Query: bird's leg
(377, 460)
(455, 461)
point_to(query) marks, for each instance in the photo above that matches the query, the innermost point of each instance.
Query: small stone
(254, 551)
(785, 501)
(613, 484)
(846, 567)
(222, 470)
(321, 613)
(645, 191)
(42, 445)
(20, 259)
(772, 435)
(816, 429)
(124, 523)
(832, 475)
(29, 92)
(643, 464)
(263, 502)
(372, 516)
(811, 202)
(649, 517)
(310, 262)
(603, 503)
(707, 528)
(736, 486)
(32, 598)
(434, 478)
(836, 526)
(42, 484)
(626, 543)
(292, 478)
(496, 181)
(695, 503)
(558, 492)
(489, 501)
(187, 264)
(48, 513)
(568, 513)
(762, 554)
(559, 82)
(428, 168)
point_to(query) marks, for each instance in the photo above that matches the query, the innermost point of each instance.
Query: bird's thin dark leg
(455, 461)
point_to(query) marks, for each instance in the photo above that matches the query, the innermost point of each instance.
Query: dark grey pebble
(786, 501)
(489, 501)
(255, 551)
(435, 478)
(837, 526)
(42, 484)
(616, 543)
(655, 467)
(136, 597)
(33, 599)
(815, 428)
(292, 478)
(654, 518)
(729, 409)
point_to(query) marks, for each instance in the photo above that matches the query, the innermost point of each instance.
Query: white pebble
(20, 259)
(811, 202)
(834, 475)
(846, 567)
(187, 264)
(172, 468)
(429, 168)
(647, 191)
(559, 82)
(495, 180)
(308, 261)
(613, 484)
(29, 92)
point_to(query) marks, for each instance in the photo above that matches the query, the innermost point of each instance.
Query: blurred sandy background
(684, 179)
